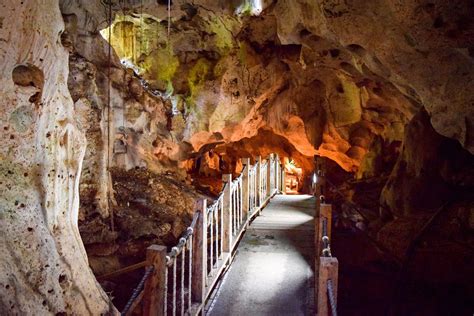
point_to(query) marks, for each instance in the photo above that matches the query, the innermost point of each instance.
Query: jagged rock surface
(44, 265)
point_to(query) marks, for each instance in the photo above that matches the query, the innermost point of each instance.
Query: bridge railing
(326, 265)
(179, 282)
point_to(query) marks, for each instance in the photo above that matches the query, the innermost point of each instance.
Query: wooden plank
(199, 254)
(328, 269)
(227, 214)
(154, 292)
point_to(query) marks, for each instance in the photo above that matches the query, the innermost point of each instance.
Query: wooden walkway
(272, 271)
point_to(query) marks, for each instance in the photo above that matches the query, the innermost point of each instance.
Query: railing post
(154, 291)
(269, 175)
(199, 268)
(278, 174)
(283, 180)
(245, 187)
(328, 270)
(258, 189)
(227, 213)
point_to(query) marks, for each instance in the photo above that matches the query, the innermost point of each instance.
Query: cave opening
(226, 142)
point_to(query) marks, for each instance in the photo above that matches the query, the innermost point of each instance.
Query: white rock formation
(44, 265)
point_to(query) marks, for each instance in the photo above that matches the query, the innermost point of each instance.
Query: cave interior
(118, 115)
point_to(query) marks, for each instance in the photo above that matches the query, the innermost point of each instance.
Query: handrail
(171, 256)
(127, 269)
(184, 277)
(137, 291)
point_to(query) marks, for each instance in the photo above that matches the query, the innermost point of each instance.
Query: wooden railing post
(283, 180)
(154, 291)
(258, 189)
(328, 270)
(245, 187)
(227, 213)
(278, 174)
(199, 268)
(269, 175)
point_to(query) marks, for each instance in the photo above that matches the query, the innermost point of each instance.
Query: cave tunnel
(237, 157)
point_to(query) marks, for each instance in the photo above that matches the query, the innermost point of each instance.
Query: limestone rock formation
(99, 94)
(44, 265)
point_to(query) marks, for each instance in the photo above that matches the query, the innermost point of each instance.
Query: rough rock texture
(432, 173)
(223, 80)
(44, 265)
(131, 179)
(329, 77)
(228, 76)
(427, 209)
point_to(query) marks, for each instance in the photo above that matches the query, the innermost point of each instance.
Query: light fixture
(315, 178)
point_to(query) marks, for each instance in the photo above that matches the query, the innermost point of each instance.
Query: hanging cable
(108, 114)
(169, 21)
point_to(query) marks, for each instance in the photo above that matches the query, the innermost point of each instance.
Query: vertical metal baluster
(165, 299)
(221, 210)
(211, 220)
(183, 258)
(254, 181)
(233, 211)
(260, 188)
(241, 204)
(237, 197)
(190, 270)
(216, 233)
(251, 194)
(174, 286)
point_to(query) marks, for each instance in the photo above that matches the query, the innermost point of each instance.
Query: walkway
(272, 271)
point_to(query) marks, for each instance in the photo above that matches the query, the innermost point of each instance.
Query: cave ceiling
(328, 76)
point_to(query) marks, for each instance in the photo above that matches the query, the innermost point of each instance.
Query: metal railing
(178, 282)
(177, 259)
(236, 204)
(215, 220)
(253, 184)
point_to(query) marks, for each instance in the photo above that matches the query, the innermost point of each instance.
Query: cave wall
(223, 75)
(311, 73)
(433, 175)
(339, 79)
(44, 264)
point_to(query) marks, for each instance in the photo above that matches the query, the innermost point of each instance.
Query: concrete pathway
(272, 272)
